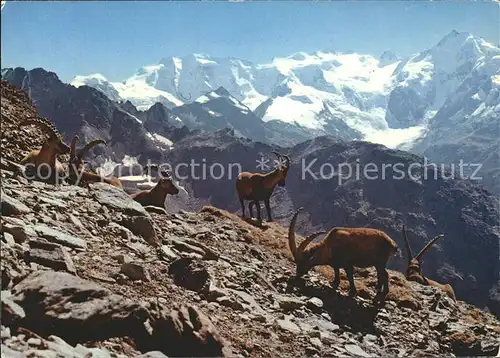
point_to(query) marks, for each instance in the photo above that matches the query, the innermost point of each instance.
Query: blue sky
(116, 38)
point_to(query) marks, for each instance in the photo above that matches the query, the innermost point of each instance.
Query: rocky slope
(123, 273)
(428, 202)
(85, 250)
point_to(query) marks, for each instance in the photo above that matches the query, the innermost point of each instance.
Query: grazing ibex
(346, 248)
(257, 187)
(77, 173)
(157, 195)
(414, 273)
(44, 161)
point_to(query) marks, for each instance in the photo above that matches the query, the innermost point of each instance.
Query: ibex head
(284, 164)
(76, 156)
(166, 182)
(304, 259)
(55, 140)
(413, 272)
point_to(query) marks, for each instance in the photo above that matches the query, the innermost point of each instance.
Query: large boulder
(77, 310)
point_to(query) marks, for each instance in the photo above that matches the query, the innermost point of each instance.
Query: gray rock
(5, 332)
(288, 303)
(122, 258)
(117, 199)
(355, 350)
(186, 332)
(152, 354)
(76, 222)
(34, 341)
(370, 339)
(287, 325)
(314, 303)
(316, 342)
(52, 202)
(250, 301)
(18, 229)
(59, 237)
(12, 313)
(76, 310)
(167, 253)
(50, 255)
(259, 317)
(213, 292)
(189, 273)
(141, 226)
(182, 246)
(190, 245)
(122, 231)
(135, 271)
(11, 353)
(10, 206)
(155, 209)
(230, 302)
(8, 239)
(327, 326)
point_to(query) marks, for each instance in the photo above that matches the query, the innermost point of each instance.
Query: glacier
(388, 100)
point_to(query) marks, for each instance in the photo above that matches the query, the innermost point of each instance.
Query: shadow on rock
(353, 312)
(184, 331)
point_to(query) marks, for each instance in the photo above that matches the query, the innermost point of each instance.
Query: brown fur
(51, 148)
(157, 195)
(77, 170)
(346, 248)
(414, 272)
(257, 187)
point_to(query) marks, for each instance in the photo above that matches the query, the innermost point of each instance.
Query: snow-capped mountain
(353, 96)
(423, 82)
(218, 110)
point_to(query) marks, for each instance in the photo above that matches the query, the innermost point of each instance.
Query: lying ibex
(157, 195)
(257, 187)
(346, 248)
(414, 273)
(43, 162)
(77, 173)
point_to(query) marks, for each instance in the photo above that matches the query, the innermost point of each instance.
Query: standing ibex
(157, 195)
(414, 273)
(346, 248)
(257, 187)
(77, 174)
(44, 161)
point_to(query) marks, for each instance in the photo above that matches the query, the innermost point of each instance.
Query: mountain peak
(453, 36)
(388, 57)
(221, 91)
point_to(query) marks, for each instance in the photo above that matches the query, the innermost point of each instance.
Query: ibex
(157, 195)
(44, 161)
(346, 248)
(257, 187)
(77, 173)
(414, 273)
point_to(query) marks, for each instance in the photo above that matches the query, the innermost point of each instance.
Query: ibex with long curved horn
(257, 187)
(157, 195)
(345, 247)
(77, 173)
(414, 273)
(44, 160)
